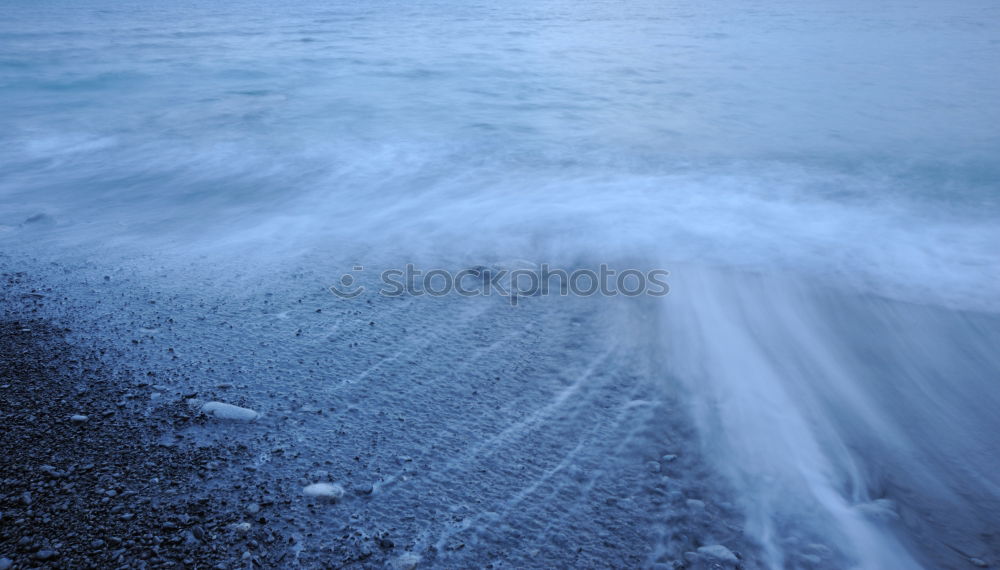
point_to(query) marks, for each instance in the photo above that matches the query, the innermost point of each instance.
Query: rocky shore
(136, 435)
(91, 479)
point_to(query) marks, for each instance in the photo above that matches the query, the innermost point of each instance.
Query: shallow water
(821, 182)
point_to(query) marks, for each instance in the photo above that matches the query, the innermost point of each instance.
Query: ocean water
(820, 179)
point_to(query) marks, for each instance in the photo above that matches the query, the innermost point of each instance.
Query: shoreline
(495, 466)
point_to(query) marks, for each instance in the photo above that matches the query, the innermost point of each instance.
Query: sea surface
(821, 180)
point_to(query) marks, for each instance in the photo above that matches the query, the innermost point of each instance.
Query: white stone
(78, 419)
(225, 411)
(328, 491)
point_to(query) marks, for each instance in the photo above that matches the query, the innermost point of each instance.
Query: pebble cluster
(87, 480)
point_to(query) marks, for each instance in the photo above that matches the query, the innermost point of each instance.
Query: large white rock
(328, 491)
(224, 411)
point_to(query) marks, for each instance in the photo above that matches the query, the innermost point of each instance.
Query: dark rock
(46, 555)
(199, 533)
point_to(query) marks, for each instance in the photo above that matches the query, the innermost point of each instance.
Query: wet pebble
(198, 533)
(224, 411)
(327, 491)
